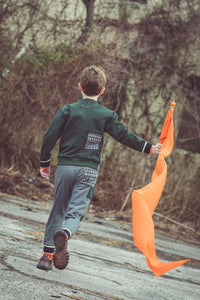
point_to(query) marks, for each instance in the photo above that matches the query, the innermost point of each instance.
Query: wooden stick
(72, 297)
(177, 223)
(130, 191)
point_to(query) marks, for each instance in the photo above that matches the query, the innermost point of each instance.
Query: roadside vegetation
(148, 64)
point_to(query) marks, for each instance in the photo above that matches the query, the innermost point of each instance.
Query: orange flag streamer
(145, 200)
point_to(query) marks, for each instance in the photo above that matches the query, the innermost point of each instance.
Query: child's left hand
(156, 148)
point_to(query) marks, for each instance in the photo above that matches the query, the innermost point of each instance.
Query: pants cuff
(67, 231)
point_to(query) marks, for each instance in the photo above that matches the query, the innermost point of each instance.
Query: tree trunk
(89, 20)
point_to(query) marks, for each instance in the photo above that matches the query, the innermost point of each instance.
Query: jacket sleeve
(119, 132)
(51, 136)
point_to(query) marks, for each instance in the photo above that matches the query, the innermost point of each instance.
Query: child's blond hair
(93, 79)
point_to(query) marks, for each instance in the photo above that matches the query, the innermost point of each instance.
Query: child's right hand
(45, 172)
(156, 148)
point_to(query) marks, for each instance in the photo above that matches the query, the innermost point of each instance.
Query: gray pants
(73, 191)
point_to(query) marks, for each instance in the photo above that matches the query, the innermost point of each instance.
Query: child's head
(93, 80)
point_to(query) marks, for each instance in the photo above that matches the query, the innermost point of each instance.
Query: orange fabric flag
(145, 200)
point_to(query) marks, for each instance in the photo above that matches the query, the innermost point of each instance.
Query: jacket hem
(78, 162)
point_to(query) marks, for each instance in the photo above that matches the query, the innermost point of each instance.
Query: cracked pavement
(104, 263)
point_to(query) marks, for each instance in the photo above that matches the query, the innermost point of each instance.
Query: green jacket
(81, 126)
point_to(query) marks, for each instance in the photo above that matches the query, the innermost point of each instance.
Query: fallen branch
(72, 297)
(177, 223)
(130, 191)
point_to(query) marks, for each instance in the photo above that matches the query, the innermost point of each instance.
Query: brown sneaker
(45, 263)
(61, 256)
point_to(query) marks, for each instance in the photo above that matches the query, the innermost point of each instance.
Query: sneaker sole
(61, 256)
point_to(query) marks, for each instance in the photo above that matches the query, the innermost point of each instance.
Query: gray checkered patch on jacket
(93, 141)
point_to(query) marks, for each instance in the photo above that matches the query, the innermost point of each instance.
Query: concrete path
(104, 263)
